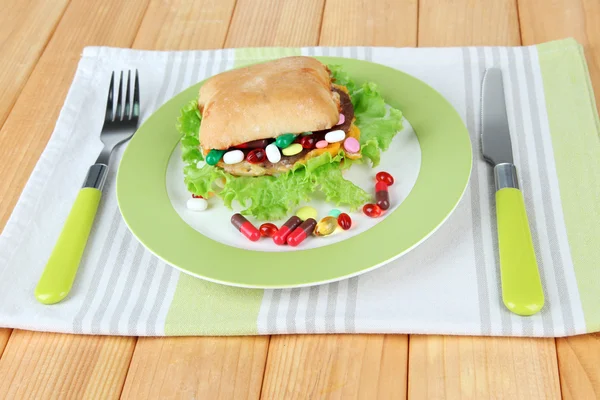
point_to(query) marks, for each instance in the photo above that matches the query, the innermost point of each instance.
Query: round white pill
(335, 136)
(197, 204)
(233, 157)
(273, 154)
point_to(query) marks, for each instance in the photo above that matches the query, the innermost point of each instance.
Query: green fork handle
(58, 276)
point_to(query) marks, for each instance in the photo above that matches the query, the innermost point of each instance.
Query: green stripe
(204, 308)
(575, 131)
(252, 55)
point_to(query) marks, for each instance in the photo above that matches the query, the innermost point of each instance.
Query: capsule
(255, 144)
(285, 140)
(385, 177)
(344, 221)
(256, 156)
(372, 210)
(268, 229)
(245, 227)
(214, 156)
(308, 142)
(282, 234)
(382, 195)
(326, 226)
(302, 232)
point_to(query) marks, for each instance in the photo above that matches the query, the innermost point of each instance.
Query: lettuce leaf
(272, 198)
(378, 123)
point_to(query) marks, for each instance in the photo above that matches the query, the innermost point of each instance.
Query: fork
(119, 126)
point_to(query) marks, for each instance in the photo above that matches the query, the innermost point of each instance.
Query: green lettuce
(272, 198)
(378, 124)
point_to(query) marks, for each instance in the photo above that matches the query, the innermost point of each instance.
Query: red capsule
(301, 232)
(308, 142)
(268, 229)
(372, 210)
(385, 177)
(255, 144)
(344, 221)
(245, 226)
(280, 237)
(256, 156)
(382, 195)
(196, 196)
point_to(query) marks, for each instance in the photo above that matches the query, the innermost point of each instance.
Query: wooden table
(41, 41)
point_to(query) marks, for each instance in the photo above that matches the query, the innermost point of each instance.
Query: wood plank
(468, 23)
(50, 365)
(25, 28)
(275, 23)
(27, 129)
(481, 368)
(199, 368)
(336, 367)
(4, 335)
(578, 360)
(185, 25)
(464, 367)
(369, 23)
(542, 21)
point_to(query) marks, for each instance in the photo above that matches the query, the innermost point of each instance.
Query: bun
(288, 95)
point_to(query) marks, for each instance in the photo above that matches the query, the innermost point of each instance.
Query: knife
(522, 291)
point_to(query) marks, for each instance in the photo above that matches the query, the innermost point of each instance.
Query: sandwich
(270, 136)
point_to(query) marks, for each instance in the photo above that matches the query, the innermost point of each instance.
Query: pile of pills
(297, 228)
(288, 144)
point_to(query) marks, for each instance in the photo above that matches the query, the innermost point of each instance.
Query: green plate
(446, 160)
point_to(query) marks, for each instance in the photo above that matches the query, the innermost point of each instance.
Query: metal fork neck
(96, 176)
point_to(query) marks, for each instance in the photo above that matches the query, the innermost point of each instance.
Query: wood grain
(30, 124)
(369, 23)
(468, 23)
(275, 23)
(53, 366)
(336, 367)
(482, 368)
(25, 28)
(198, 368)
(185, 25)
(542, 21)
(578, 360)
(4, 335)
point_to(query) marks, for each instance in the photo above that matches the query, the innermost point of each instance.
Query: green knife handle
(59, 274)
(522, 291)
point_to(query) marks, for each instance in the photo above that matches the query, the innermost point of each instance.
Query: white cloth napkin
(448, 285)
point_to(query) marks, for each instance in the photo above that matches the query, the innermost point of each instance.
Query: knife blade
(522, 291)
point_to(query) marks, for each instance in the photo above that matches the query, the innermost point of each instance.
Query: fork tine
(127, 102)
(109, 103)
(119, 99)
(136, 97)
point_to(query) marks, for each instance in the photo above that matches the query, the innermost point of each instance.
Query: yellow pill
(306, 212)
(292, 149)
(326, 226)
